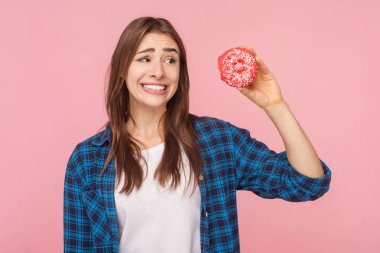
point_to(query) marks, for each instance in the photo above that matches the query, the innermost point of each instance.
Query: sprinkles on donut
(238, 67)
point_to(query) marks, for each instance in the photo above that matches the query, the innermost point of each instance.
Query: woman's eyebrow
(166, 49)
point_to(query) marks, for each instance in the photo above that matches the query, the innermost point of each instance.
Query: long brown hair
(178, 123)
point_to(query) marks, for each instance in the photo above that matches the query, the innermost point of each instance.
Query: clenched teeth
(154, 87)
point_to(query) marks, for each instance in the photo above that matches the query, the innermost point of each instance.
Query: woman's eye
(171, 60)
(168, 60)
(144, 59)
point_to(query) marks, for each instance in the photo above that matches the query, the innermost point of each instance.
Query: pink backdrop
(53, 60)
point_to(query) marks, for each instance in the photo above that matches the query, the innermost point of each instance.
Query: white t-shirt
(156, 219)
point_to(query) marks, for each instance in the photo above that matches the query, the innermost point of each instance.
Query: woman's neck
(147, 126)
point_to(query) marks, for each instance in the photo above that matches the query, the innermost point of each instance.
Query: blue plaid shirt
(233, 160)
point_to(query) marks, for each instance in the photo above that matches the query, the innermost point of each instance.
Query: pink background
(53, 60)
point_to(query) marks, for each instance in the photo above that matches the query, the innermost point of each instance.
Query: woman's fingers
(262, 67)
(251, 49)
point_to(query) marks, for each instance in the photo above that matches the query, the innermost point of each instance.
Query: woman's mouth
(154, 88)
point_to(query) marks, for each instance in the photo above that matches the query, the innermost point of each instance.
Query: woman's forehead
(157, 40)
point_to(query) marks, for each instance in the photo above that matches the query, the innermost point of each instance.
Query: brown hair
(178, 122)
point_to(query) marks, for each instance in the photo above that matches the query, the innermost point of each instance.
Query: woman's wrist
(276, 109)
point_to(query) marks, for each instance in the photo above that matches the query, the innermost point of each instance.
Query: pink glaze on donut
(238, 67)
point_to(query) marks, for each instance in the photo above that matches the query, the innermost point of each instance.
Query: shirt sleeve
(85, 223)
(77, 236)
(269, 174)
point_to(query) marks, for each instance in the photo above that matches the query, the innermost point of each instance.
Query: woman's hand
(264, 90)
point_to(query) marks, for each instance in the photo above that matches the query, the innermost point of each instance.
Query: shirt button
(200, 177)
(206, 214)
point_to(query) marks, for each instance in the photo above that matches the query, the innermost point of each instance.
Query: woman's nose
(157, 70)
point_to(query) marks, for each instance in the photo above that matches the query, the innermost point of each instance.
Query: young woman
(159, 179)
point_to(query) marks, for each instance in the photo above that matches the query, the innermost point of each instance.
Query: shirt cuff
(314, 187)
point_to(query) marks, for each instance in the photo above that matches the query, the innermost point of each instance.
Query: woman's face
(153, 75)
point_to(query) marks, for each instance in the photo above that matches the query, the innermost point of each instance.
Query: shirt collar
(103, 136)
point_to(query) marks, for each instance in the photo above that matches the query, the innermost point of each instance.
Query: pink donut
(238, 67)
